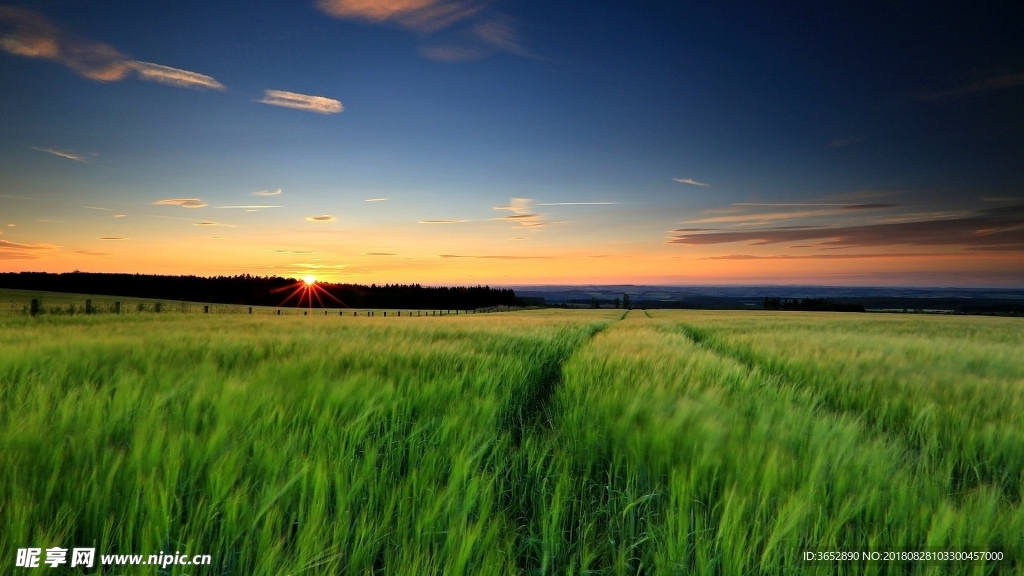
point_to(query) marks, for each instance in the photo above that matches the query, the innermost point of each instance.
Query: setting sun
(309, 279)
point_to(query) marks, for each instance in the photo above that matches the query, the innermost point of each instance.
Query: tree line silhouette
(810, 304)
(260, 290)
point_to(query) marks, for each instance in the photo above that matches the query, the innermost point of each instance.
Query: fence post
(206, 309)
(278, 312)
(385, 313)
(399, 313)
(250, 309)
(117, 307)
(34, 308)
(88, 306)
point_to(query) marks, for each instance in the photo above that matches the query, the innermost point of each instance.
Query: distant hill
(261, 291)
(938, 299)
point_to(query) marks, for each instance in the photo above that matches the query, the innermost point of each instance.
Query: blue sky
(515, 142)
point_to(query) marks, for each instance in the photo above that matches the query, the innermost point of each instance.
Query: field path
(952, 399)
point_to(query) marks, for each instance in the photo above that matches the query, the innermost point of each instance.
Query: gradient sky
(512, 142)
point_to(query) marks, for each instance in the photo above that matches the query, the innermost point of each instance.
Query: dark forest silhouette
(810, 305)
(260, 291)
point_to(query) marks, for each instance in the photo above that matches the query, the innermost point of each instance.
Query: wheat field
(533, 442)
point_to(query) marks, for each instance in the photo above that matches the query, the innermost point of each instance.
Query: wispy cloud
(119, 215)
(994, 83)
(297, 252)
(379, 254)
(495, 257)
(268, 193)
(422, 15)
(691, 182)
(91, 253)
(765, 217)
(183, 202)
(15, 251)
(518, 206)
(500, 34)
(206, 223)
(817, 256)
(376, 199)
(31, 35)
(325, 218)
(63, 154)
(843, 205)
(294, 100)
(175, 76)
(984, 230)
(523, 215)
(758, 218)
(441, 221)
(577, 203)
(1002, 199)
(96, 208)
(250, 207)
(113, 238)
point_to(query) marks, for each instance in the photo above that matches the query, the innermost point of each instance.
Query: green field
(536, 442)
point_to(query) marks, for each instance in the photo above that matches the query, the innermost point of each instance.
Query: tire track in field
(525, 468)
(533, 414)
(705, 339)
(965, 476)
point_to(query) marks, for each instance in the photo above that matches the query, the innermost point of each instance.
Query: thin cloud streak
(183, 202)
(747, 219)
(63, 154)
(251, 207)
(843, 205)
(304, 102)
(422, 15)
(822, 256)
(441, 221)
(267, 193)
(577, 203)
(15, 251)
(175, 76)
(495, 257)
(325, 218)
(984, 230)
(501, 35)
(691, 182)
(376, 200)
(31, 35)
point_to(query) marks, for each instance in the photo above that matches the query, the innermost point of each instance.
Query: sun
(309, 279)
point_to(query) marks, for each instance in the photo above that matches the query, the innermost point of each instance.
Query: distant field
(537, 442)
(18, 303)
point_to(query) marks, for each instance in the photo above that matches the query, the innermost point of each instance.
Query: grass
(540, 442)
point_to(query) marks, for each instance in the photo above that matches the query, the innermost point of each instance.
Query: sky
(516, 142)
